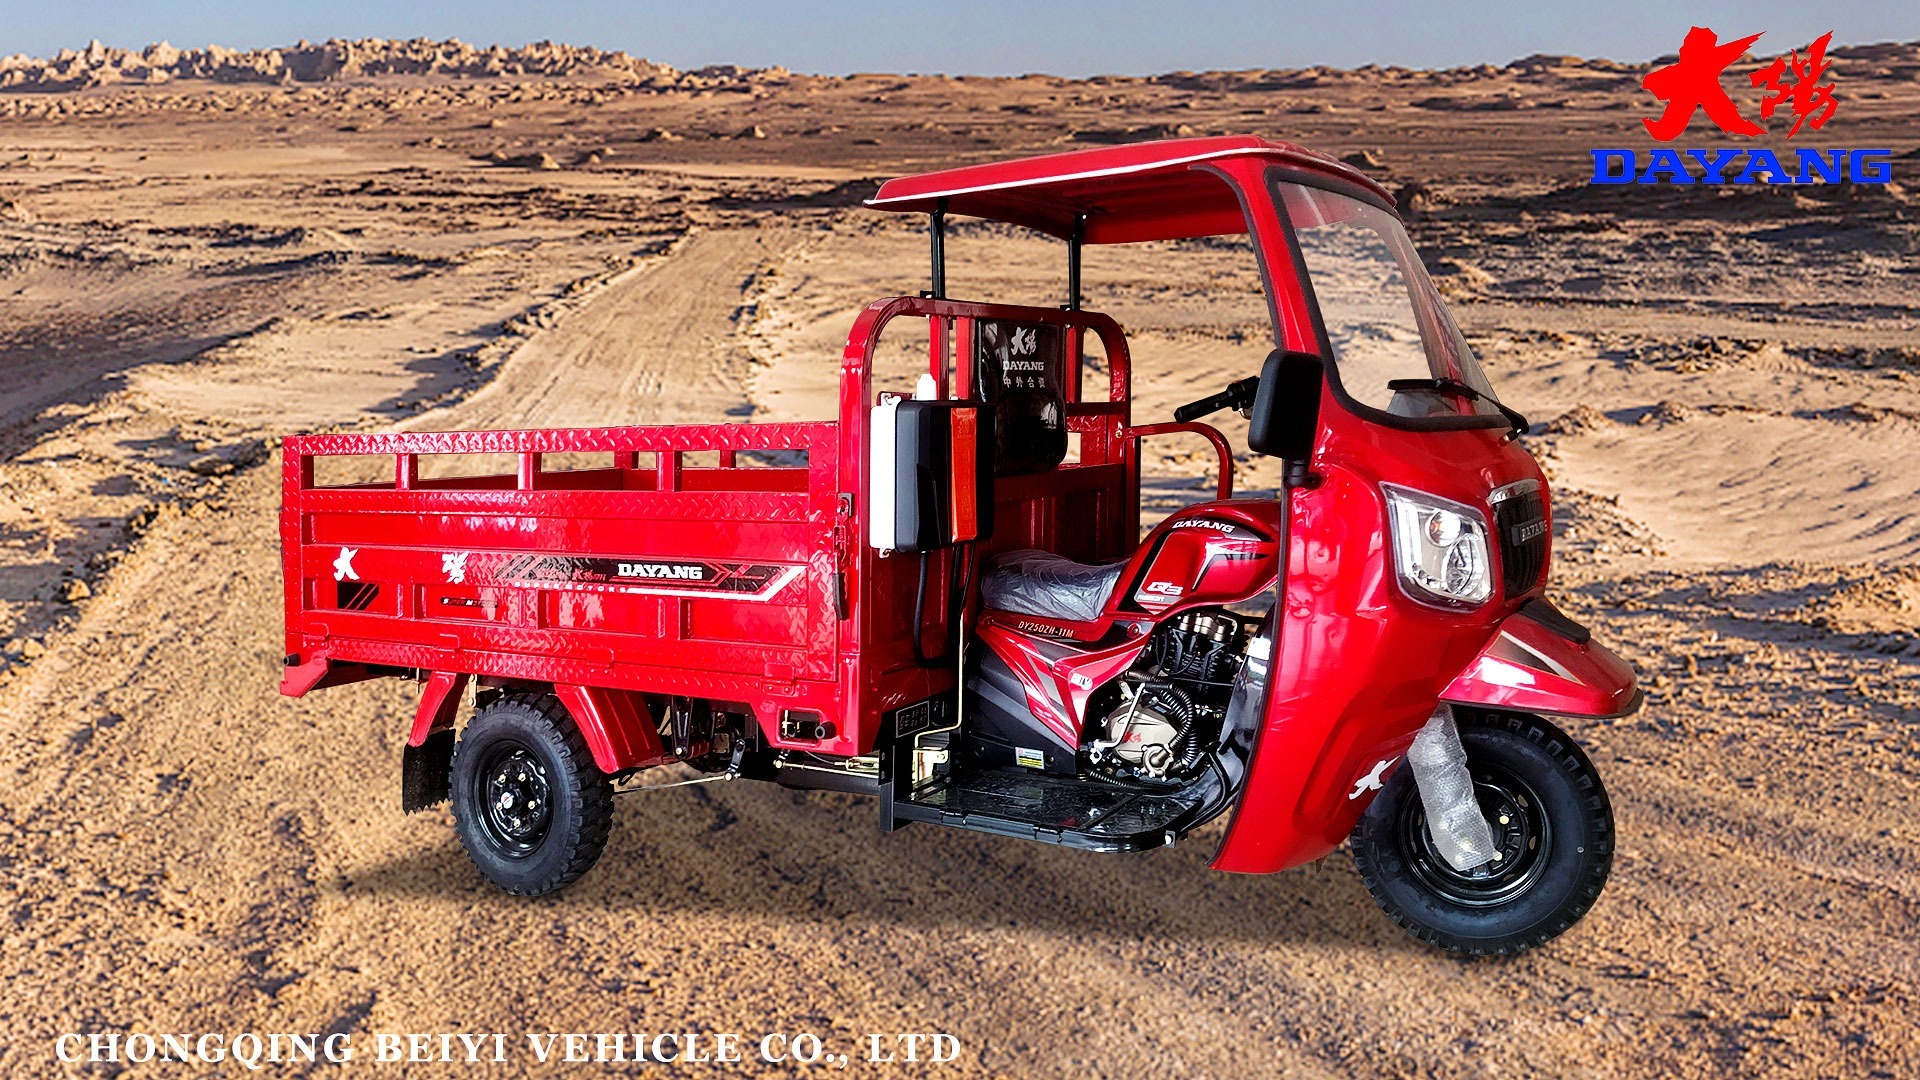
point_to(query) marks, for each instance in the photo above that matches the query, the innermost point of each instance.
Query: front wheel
(530, 806)
(1552, 827)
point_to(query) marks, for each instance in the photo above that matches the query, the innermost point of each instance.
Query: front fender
(1540, 661)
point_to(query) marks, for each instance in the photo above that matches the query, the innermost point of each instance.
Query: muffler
(1459, 830)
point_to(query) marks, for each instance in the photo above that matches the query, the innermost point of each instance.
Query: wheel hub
(1522, 840)
(517, 800)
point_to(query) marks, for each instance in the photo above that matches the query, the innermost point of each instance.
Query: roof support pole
(938, 221)
(1073, 261)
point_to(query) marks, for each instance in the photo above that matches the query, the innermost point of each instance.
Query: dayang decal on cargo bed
(654, 577)
(1790, 86)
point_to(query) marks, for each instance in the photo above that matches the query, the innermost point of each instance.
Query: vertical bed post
(938, 221)
(1073, 261)
(1076, 333)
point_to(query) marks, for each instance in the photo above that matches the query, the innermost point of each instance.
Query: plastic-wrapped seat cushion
(1031, 582)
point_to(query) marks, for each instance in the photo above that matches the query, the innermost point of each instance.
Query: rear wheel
(529, 805)
(1552, 827)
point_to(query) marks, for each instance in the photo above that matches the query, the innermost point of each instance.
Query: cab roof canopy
(1131, 193)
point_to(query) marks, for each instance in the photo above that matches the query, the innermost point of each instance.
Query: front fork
(1459, 830)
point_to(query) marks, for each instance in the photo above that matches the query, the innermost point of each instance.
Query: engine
(1173, 701)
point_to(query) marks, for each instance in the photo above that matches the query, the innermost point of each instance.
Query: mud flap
(426, 772)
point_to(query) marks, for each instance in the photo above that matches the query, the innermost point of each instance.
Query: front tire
(530, 807)
(1552, 825)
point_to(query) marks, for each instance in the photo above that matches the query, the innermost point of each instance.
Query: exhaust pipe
(1459, 830)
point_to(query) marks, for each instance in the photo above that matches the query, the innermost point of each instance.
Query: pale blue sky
(1073, 38)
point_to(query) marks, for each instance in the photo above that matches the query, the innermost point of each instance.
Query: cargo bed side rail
(696, 560)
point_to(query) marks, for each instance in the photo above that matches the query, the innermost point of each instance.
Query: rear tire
(1556, 842)
(531, 808)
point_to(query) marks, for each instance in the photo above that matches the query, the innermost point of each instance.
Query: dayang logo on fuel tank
(1794, 85)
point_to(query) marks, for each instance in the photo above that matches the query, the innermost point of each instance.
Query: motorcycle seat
(1033, 582)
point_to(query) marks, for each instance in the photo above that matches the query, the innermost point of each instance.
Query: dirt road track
(651, 346)
(187, 851)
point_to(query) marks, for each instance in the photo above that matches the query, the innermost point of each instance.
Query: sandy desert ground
(200, 255)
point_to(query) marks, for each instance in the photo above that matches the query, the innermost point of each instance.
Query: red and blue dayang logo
(1794, 85)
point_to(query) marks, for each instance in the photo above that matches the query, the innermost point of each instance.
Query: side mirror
(1286, 412)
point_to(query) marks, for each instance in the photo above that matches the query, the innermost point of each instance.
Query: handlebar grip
(1193, 410)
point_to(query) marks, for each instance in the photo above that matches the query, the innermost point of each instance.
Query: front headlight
(1439, 547)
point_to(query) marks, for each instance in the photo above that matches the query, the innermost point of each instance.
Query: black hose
(956, 606)
(920, 612)
(1178, 705)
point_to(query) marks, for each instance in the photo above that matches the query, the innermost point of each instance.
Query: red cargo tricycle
(942, 599)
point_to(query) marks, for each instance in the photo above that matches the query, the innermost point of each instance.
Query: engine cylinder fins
(1205, 646)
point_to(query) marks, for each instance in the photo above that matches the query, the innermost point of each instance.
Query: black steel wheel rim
(515, 798)
(1522, 836)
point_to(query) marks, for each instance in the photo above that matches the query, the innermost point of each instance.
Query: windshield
(1389, 333)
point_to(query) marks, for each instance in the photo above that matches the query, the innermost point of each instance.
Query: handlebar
(1236, 396)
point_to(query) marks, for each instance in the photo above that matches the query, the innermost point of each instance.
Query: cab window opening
(1381, 324)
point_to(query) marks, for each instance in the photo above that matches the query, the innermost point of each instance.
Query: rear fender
(438, 704)
(1540, 661)
(616, 725)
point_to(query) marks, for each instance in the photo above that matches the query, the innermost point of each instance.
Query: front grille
(1522, 523)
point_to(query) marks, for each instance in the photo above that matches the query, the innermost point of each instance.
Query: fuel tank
(1206, 554)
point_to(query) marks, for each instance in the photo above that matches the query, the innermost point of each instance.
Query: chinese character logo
(1811, 103)
(454, 565)
(1692, 83)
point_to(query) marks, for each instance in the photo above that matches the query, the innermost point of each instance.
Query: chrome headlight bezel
(1455, 574)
